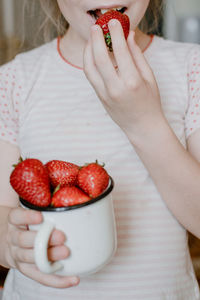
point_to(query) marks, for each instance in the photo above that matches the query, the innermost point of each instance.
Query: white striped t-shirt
(49, 109)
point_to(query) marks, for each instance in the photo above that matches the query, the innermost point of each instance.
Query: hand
(129, 93)
(20, 244)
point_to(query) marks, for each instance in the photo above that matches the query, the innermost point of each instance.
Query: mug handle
(40, 249)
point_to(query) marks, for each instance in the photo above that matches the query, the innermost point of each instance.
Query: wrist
(150, 132)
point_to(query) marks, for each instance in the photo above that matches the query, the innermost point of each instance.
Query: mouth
(100, 11)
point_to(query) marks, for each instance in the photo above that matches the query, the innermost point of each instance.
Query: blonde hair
(54, 24)
(152, 18)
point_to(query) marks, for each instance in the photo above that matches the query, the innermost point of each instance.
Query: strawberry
(93, 179)
(103, 20)
(62, 173)
(30, 180)
(68, 196)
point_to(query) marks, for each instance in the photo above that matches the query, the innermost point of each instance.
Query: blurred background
(180, 22)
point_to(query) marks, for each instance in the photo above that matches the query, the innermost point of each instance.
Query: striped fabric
(51, 111)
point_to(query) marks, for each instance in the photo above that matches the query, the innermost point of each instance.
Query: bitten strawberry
(103, 20)
(93, 179)
(30, 180)
(62, 173)
(68, 196)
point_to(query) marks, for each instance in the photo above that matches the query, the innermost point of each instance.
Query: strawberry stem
(19, 161)
(108, 41)
(102, 164)
(96, 162)
(56, 189)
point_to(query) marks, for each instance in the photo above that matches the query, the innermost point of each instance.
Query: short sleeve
(10, 93)
(192, 119)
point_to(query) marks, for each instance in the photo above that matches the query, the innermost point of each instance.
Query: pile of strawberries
(58, 183)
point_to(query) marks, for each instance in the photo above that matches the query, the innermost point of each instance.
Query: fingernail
(112, 22)
(67, 251)
(94, 27)
(36, 217)
(74, 280)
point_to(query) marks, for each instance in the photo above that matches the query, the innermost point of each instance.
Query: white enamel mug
(90, 231)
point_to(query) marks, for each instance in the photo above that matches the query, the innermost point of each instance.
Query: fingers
(27, 255)
(126, 66)
(25, 239)
(139, 58)
(23, 255)
(90, 69)
(20, 216)
(101, 57)
(131, 62)
(22, 241)
(55, 281)
(21, 249)
(57, 238)
(58, 253)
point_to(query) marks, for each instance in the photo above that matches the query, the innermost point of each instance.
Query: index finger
(126, 65)
(101, 57)
(20, 216)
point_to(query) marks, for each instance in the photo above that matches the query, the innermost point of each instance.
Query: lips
(100, 11)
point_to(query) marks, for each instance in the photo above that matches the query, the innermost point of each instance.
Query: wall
(182, 20)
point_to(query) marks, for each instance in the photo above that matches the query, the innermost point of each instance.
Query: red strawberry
(30, 180)
(93, 179)
(62, 173)
(103, 20)
(68, 196)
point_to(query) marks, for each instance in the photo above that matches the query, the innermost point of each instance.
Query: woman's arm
(175, 171)
(9, 155)
(131, 97)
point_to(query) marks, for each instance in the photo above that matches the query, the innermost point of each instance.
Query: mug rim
(65, 208)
